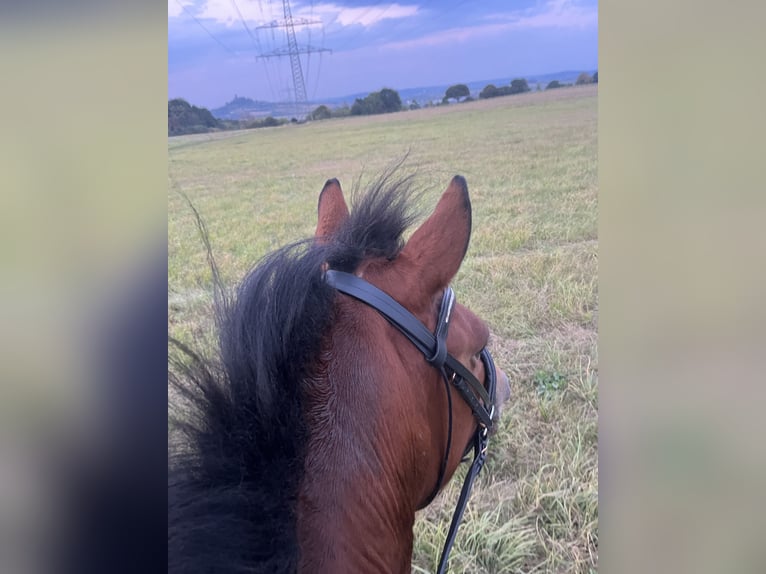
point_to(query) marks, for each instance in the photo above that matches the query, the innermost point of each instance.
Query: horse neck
(356, 506)
(344, 527)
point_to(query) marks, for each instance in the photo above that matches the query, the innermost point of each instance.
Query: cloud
(368, 16)
(555, 14)
(175, 7)
(225, 12)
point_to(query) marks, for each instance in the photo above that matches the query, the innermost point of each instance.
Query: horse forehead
(399, 281)
(467, 322)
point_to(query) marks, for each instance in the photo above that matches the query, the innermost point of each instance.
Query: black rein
(481, 399)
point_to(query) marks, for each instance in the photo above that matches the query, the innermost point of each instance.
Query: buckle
(484, 448)
(482, 426)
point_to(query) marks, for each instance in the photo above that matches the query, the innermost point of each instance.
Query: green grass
(531, 272)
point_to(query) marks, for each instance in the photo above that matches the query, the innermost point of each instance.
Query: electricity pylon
(294, 51)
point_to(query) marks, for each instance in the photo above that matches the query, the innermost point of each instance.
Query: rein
(481, 399)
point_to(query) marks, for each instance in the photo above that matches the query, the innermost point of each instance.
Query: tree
(595, 77)
(518, 86)
(267, 122)
(382, 102)
(183, 118)
(583, 79)
(342, 111)
(360, 107)
(553, 84)
(489, 91)
(390, 100)
(456, 92)
(321, 113)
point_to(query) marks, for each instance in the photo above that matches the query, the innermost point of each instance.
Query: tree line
(517, 86)
(461, 93)
(388, 100)
(582, 79)
(184, 118)
(385, 101)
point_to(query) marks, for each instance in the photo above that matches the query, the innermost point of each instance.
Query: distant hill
(243, 108)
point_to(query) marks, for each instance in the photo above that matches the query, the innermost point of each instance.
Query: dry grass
(531, 272)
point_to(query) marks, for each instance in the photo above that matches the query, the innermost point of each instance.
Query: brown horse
(321, 430)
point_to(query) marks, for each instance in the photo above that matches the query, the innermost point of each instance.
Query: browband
(433, 347)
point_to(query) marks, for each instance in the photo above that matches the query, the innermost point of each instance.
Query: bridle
(481, 399)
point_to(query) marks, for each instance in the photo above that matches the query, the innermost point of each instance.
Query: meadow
(531, 272)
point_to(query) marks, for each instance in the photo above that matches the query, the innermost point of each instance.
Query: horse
(327, 417)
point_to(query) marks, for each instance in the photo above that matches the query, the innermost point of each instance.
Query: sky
(214, 45)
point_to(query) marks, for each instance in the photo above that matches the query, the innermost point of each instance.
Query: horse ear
(332, 210)
(437, 248)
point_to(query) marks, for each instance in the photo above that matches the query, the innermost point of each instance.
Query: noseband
(481, 399)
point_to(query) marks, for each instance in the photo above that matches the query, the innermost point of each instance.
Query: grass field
(531, 273)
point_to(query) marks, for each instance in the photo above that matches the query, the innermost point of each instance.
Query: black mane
(238, 462)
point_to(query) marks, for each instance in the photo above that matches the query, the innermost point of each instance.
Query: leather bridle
(480, 398)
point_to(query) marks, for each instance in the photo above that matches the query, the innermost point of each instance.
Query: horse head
(347, 388)
(403, 433)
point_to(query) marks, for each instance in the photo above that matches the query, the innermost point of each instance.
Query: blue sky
(213, 44)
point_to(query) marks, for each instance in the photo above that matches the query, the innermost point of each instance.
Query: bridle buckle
(491, 416)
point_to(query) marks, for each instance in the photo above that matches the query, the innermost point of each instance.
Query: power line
(209, 33)
(256, 42)
(396, 31)
(359, 20)
(319, 69)
(247, 28)
(316, 85)
(308, 59)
